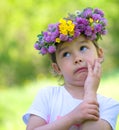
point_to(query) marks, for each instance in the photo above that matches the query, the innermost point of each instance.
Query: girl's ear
(56, 68)
(101, 54)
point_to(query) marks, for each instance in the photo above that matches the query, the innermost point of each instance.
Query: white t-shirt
(52, 103)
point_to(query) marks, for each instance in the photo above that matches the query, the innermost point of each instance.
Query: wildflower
(90, 23)
(88, 31)
(43, 51)
(36, 46)
(87, 13)
(51, 49)
(57, 40)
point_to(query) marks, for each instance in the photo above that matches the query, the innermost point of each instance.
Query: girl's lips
(80, 70)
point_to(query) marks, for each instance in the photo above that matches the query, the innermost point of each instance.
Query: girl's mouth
(81, 69)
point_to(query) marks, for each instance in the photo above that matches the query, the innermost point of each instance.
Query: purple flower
(51, 33)
(81, 27)
(93, 37)
(51, 49)
(97, 28)
(41, 42)
(63, 37)
(36, 46)
(70, 39)
(52, 38)
(45, 34)
(43, 51)
(103, 21)
(97, 11)
(104, 32)
(88, 31)
(53, 27)
(96, 17)
(81, 24)
(50, 27)
(87, 13)
(56, 33)
(77, 33)
(80, 20)
(48, 38)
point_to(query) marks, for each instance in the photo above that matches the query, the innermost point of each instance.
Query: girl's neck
(75, 91)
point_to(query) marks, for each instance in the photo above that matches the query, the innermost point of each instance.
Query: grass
(15, 101)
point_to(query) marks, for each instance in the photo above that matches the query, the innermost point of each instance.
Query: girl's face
(72, 58)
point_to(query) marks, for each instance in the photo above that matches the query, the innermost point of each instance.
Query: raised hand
(93, 79)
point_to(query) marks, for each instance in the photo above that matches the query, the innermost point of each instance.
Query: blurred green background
(23, 71)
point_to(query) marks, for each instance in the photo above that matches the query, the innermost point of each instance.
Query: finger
(93, 102)
(101, 60)
(97, 67)
(92, 105)
(89, 67)
(94, 112)
(92, 117)
(93, 108)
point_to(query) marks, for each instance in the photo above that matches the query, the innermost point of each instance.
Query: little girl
(77, 57)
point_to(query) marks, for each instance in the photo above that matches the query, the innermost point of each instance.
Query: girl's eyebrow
(62, 49)
(84, 41)
(66, 47)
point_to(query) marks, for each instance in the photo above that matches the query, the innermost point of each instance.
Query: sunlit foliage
(21, 21)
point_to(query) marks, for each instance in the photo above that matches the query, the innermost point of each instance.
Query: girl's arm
(96, 125)
(37, 123)
(85, 111)
(87, 121)
(91, 86)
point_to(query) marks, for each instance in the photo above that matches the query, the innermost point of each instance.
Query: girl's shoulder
(109, 109)
(51, 90)
(103, 100)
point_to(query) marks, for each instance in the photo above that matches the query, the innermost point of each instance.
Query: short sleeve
(39, 107)
(109, 110)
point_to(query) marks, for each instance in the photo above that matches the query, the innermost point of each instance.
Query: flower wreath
(90, 22)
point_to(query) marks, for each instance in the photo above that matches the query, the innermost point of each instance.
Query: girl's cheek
(91, 62)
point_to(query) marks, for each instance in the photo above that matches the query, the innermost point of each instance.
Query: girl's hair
(53, 57)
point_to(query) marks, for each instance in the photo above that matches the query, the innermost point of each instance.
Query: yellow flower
(62, 21)
(71, 33)
(70, 28)
(97, 21)
(91, 20)
(66, 27)
(57, 40)
(63, 29)
(65, 32)
(69, 22)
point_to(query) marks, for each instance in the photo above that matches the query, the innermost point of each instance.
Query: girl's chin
(80, 82)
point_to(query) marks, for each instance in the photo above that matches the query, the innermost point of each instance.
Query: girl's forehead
(76, 42)
(79, 40)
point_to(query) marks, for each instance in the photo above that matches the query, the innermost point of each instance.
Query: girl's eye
(66, 54)
(83, 48)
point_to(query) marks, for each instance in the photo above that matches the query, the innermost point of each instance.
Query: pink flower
(51, 49)
(43, 51)
(36, 46)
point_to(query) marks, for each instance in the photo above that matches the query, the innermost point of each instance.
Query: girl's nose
(78, 60)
